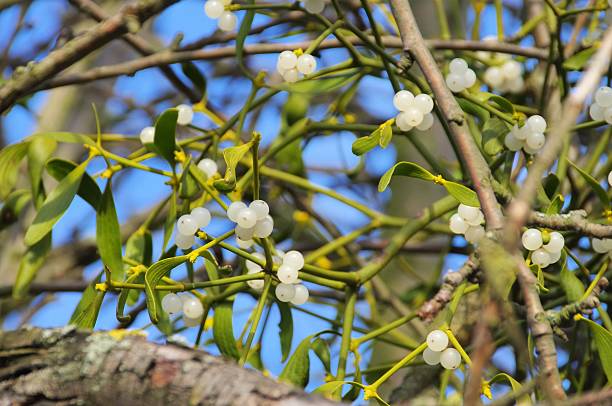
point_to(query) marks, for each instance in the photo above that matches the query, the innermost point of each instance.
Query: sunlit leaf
(10, 157)
(297, 369)
(603, 341)
(462, 193)
(31, 261)
(165, 134)
(152, 277)
(88, 189)
(108, 234)
(223, 330)
(597, 188)
(409, 169)
(285, 329)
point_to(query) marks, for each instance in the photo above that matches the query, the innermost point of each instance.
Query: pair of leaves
(381, 136)
(462, 193)
(597, 188)
(232, 156)
(152, 277)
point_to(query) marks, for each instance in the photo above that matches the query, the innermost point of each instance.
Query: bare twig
(572, 221)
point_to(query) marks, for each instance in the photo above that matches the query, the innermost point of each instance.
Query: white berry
(474, 234)
(555, 243)
(493, 76)
(610, 178)
(260, 208)
(301, 295)
(246, 218)
(607, 115)
(234, 209)
(147, 135)
(532, 239)
(291, 75)
(537, 123)
(213, 9)
(477, 221)
(294, 259)
(287, 274)
(431, 357)
(603, 96)
(314, 6)
(193, 308)
(227, 21)
(468, 213)
(437, 340)
(595, 111)
(183, 241)
(287, 60)
(541, 257)
(244, 244)
(457, 224)
(427, 122)
(403, 100)
(458, 66)
(599, 246)
(424, 103)
(171, 303)
(306, 64)
(263, 228)
(454, 81)
(285, 292)
(413, 116)
(512, 70)
(469, 78)
(202, 216)
(255, 284)
(185, 114)
(187, 224)
(554, 257)
(244, 233)
(513, 143)
(252, 266)
(450, 358)
(535, 141)
(191, 322)
(208, 166)
(402, 122)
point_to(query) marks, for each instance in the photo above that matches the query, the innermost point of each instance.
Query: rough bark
(67, 366)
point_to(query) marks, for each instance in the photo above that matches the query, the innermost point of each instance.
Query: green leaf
(123, 298)
(516, 386)
(285, 329)
(321, 85)
(88, 189)
(570, 283)
(13, 206)
(195, 76)
(364, 144)
(31, 261)
(86, 312)
(329, 388)
(108, 234)
(493, 133)
(409, 169)
(165, 134)
(474, 109)
(503, 103)
(550, 185)
(603, 341)
(232, 156)
(223, 330)
(462, 193)
(297, 369)
(245, 27)
(67, 137)
(39, 151)
(139, 247)
(54, 206)
(10, 157)
(152, 277)
(321, 349)
(579, 60)
(556, 205)
(386, 134)
(597, 188)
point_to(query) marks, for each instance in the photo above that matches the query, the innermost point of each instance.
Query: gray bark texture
(72, 367)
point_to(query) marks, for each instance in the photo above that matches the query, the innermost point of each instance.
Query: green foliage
(223, 330)
(152, 277)
(165, 135)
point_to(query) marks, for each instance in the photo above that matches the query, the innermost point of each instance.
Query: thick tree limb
(167, 57)
(128, 19)
(69, 367)
(477, 167)
(572, 221)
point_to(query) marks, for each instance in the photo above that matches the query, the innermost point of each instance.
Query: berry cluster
(461, 77)
(190, 306)
(438, 353)
(602, 246)
(251, 221)
(507, 78)
(415, 111)
(185, 116)
(290, 289)
(209, 167)
(468, 221)
(215, 9)
(291, 67)
(601, 109)
(314, 6)
(188, 224)
(529, 137)
(543, 254)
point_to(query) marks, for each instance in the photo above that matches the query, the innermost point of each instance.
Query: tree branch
(477, 167)
(67, 366)
(572, 221)
(129, 18)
